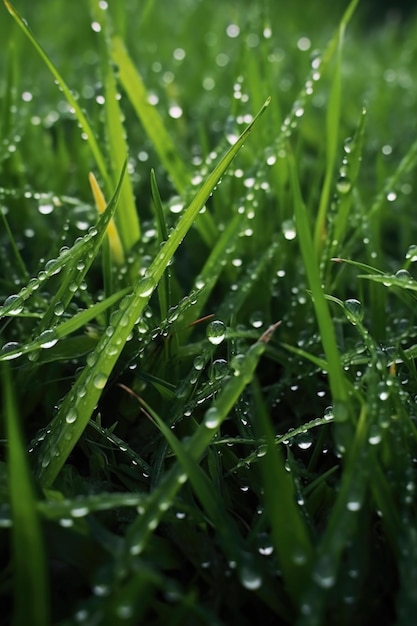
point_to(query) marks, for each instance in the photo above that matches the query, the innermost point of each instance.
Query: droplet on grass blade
(216, 332)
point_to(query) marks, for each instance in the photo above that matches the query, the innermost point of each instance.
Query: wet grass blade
(152, 122)
(72, 101)
(77, 408)
(289, 531)
(327, 333)
(31, 591)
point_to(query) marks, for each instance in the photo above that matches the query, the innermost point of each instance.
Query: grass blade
(72, 101)
(31, 591)
(152, 122)
(76, 410)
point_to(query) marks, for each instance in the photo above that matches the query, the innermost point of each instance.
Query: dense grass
(207, 314)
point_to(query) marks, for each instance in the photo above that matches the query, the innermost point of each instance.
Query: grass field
(208, 241)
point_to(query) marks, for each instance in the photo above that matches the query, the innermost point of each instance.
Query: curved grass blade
(327, 333)
(31, 593)
(136, 91)
(79, 404)
(72, 101)
(127, 218)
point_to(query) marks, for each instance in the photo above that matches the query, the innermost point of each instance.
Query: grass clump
(208, 373)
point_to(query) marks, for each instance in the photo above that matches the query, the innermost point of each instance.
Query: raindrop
(219, 369)
(324, 574)
(354, 310)
(10, 350)
(100, 380)
(403, 275)
(48, 338)
(212, 418)
(13, 305)
(288, 228)
(216, 332)
(343, 185)
(175, 111)
(71, 415)
(411, 254)
(348, 145)
(391, 196)
(249, 578)
(145, 287)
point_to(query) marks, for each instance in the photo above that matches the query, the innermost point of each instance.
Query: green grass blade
(82, 119)
(31, 590)
(289, 531)
(324, 320)
(76, 410)
(152, 122)
(127, 216)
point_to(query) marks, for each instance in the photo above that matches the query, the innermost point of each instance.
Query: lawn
(208, 241)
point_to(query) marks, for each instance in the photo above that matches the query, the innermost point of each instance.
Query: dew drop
(145, 287)
(249, 578)
(343, 185)
(288, 229)
(13, 305)
(216, 332)
(71, 416)
(48, 339)
(100, 380)
(10, 350)
(354, 310)
(212, 418)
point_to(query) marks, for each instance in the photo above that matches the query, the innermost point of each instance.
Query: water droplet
(348, 145)
(403, 275)
(145, 287)
(324, 574)
(354, 310)
(10, 350)
(212, 418)
(219, 369)
(391, 196)
(288, 228)
(59, 309)
(100, 380)
(343, 185)
(79, 511)
(48, 338)
(71, 415)
(13, 305)
(199, 362)
(411, 254)
(216, 332)
(249, 578)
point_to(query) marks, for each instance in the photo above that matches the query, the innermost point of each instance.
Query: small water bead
(256, 319)
(403, 275)
(79, 511)
(219, 369)
(354, 309)
(250, 578)
(324, 574)
(13, 305)
(199, 363)
(10, 350)
(343, 185)
(391, 196)
(411, 254)
(100, 380)
(145, 287)
(212, 418)
(216, 332)
(48, 339)
(289, 230)
(348, 145)
(71, 415)
(59, 309)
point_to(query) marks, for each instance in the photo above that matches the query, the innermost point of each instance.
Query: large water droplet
(100, 380)
(343, 185)
(212, 418)
(13, 305)
(145, 287)
(216, 332)
(354, 310)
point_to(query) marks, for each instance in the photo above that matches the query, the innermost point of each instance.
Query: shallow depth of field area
(208, 243)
